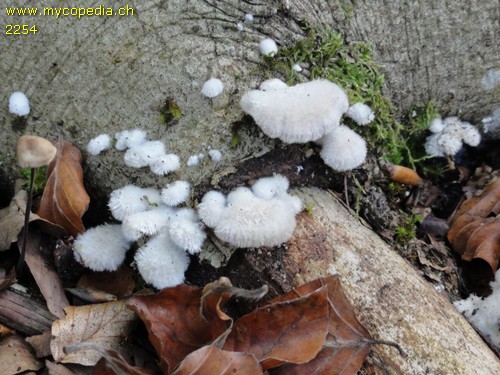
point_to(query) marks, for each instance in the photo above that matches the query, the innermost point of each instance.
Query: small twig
(20, 264)
(390, 343)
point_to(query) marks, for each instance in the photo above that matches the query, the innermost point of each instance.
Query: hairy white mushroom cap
(215, 155)
(249, 221)
(360, 113)
(436, 125)
(187, 234)
(212, 88)
(194, 160)
(144, 154)
(245, 220)
(161, 263)
(19, 104)
(448, 136)
(131, 199)
(129, 138)
(431, 146)
(297, 114)
(147, 223)
(272, 84)
(165, 164)
(343, 149)
(270, 187)
(211, 207)
(268, 47)
(175, 193)
(102, 248)
(98, 144)
(248, 17)
(449, 144)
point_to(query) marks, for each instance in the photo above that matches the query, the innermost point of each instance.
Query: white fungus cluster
(308, 112)
(172, 232)
(99, 144)
(212, 88)
(261, 216)
(449, 135)
(19, 104)
(482, 313)
(141, 152)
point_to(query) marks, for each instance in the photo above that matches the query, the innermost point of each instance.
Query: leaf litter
(312, 328)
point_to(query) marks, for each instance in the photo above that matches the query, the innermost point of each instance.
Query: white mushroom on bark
(308, 112)
(244, 219)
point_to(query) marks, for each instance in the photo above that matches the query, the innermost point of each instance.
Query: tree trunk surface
(390, 298)
(96, 75)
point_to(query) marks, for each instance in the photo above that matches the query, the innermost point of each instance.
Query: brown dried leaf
(16, 356)
(105, 325)
(111, 362)
(44, 273)
(64, 199)
(12, 219)
(475, 235)
(474, 208)
(58, 369)
(289, 331)
(41, 344)
(210, 360)
(174, 323)
(347, 343)
(120, 282)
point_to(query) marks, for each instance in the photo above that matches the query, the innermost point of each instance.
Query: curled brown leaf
(64, 200)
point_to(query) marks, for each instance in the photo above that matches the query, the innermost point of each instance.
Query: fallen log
(390, 298)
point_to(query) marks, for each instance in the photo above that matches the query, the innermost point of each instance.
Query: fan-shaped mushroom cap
(297, 114)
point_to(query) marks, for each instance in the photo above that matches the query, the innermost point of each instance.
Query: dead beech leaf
(44, 272)
(111, 362)
(58, 369)
(292, 331)
(12, 219)
(16, 356)
(174, 323)
(475, 229)
(64, 200)
(120, 282)
(41, 344)
(210, 360)
(347, 343)
(105, 325)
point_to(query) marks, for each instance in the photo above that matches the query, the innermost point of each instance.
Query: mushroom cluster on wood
(261, 216)
(308, 112)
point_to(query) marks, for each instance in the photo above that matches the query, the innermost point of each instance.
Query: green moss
(407, 230)
(170, 112)
(309, 208)
(351, 66)
(39, 181)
